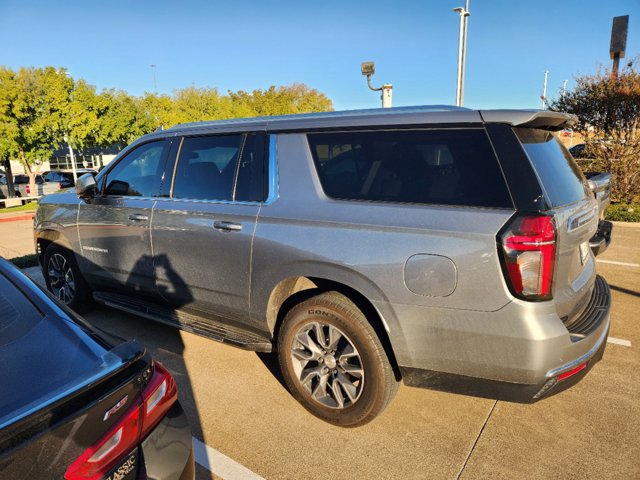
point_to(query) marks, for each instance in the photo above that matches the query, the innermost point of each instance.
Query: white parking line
(619, 341)
(219, 464)
(624, 264)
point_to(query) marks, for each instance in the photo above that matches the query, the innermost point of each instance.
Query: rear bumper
(511, 392)
(518, 353)
(167, 453)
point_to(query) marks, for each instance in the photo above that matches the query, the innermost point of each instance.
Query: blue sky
(250, 44)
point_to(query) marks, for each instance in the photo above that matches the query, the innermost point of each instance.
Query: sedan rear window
(42, 356)
(561, 178)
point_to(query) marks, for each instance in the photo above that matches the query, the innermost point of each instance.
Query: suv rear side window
(561, 178)
(207, 167)
(222, 168)
(447, 167)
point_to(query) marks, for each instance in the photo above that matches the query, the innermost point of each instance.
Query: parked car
(77, 403)
(42, 187)
(577, 150)
(65, 177)
(4, 189)
(600, 185)
(444, 247)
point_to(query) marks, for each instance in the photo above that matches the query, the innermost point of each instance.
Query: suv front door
(202, 232)
(114, 226)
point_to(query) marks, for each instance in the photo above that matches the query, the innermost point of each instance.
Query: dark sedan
(77, 403)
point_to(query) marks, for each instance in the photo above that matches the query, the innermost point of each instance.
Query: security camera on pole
(368, 69)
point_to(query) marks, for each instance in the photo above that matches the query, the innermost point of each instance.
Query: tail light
(529, 249)
(60, 185)
(157, 398)
(27, 188)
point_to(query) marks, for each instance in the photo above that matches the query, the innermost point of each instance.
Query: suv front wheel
(64, 279)
(333, 361)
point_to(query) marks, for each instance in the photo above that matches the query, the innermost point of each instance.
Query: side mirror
(86, 187)
(592, 185)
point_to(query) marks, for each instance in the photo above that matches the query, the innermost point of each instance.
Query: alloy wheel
(327, 365)
(61, 279)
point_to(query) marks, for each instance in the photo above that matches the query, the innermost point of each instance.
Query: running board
(206, 327)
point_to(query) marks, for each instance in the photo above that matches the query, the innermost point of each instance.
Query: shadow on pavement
(270, 360)
(624, 290)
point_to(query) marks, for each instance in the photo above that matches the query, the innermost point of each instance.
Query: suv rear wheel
(64, 279)
(333, 361)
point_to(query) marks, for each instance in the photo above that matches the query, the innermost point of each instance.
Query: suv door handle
(227, 226)
(136, 217)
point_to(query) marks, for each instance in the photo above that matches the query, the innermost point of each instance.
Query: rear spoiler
(545, 119)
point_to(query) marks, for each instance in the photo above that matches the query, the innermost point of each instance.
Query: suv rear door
(576, 218)
(203, 225)
(114, 226)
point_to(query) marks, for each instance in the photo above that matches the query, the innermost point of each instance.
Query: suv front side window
(139, 173)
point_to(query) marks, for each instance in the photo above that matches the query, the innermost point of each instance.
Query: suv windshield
(561, 177)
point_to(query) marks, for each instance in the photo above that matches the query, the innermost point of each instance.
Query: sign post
(619, 31)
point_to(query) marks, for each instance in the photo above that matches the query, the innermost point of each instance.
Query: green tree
(608, 111)
(123, 118)
(39, 107)
(9, 129)
(295, 98)
(35, 102)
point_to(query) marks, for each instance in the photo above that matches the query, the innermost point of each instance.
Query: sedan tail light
(157, 398)
(528, 247)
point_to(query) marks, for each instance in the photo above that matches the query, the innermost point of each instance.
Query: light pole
(67, 137)
(155, 84)
(543, 97)
(368, 69)
(462, 51)
(73, 158)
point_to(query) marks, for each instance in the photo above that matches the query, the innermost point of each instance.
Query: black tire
(64, 280)
(364, 397)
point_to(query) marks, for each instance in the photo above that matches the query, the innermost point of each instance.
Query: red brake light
(572, 372)
(157, 398)
(98, 459)
(529, 249)
(27, 189)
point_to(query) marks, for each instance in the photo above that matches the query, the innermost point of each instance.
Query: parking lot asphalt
(238, 406)
(16, 237)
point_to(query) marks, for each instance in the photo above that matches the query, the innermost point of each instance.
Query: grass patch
(623, 212)
(25, 261)
(27, 207)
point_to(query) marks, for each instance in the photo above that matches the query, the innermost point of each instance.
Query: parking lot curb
(15, 218)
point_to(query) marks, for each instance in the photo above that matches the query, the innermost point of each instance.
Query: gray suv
(444, 247)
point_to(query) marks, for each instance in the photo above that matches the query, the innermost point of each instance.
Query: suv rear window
(447, 167)
(561, 178)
